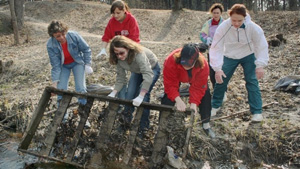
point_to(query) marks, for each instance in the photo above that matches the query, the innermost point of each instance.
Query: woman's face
(119, 15)
(189, 67)
(60, 37)
(121, 53)
(216, 14)
(237, 20)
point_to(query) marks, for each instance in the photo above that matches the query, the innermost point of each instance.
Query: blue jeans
(254, 95)
(79, 77)
(133, 90)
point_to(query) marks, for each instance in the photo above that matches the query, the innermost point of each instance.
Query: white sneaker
(257, 118)
(214, 111)
(225, 97)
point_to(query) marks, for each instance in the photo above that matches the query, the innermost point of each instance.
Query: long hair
(199, 63)
(123, 42)
(57, 26)
(121, 5)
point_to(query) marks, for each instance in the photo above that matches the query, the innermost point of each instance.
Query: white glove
(259, 72)
(102, 53)
(219, 76)
(208, 41)
(138, 100)
(88, 69)
(180, 105)
(112, 94)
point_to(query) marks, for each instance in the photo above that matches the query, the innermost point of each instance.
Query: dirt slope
(26, 72)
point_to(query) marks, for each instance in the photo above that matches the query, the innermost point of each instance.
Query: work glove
(219, 76)
(112, 94)
(259, 72)
(88, 69)
(138, 100)
(102, 53)
(180, 105)
(208, 41)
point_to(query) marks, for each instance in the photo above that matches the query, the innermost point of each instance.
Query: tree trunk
(255, 7)
(14, 21)
(177, 5)
(284, 5)
(293, 5)
(19, 11)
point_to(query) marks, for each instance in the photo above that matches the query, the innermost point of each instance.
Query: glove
(88, 69)
(112, 94)
(138, 100)
(219, 76)
(102, 53)
(208, 41)
(180, 105)
(259, 72)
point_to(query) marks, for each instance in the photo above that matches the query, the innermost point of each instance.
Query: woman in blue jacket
(68, 52)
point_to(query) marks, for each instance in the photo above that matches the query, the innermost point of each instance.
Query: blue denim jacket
(78, 48)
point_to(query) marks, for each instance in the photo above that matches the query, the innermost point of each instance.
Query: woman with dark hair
(145, 71)
(239, 41)
(122, 22)
(68, 52)
(208, 30)
(188, 65)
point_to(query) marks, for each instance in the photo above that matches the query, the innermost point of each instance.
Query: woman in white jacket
(238, 40)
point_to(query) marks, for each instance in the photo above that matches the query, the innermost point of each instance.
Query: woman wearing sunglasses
(145, 71)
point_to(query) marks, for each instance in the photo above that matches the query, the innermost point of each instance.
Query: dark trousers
(204, 107)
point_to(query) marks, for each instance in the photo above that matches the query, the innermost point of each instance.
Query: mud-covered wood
(35, 120)
(103, 136)
(133, 131)
(146, 105)
(59, 115)
(161, 138)
(188, 135)
(83, 111)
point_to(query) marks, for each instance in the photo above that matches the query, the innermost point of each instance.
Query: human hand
(219, 76)
(54, 84)
(138, 100)
(194, 107)
(259, 72)
(102, 54)
(88, 69)
(112, 94)
(209, 41)
(180, 105)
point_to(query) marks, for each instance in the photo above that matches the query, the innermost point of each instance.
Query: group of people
(232, 42)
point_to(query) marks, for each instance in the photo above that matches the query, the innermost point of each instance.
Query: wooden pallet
(160, 139)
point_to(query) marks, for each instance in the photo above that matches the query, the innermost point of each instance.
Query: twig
(234, 114)
(8, 117)
(241, 112)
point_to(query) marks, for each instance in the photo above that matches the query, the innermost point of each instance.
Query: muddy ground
(274, 143)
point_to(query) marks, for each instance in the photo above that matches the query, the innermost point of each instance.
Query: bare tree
(293, 5)
(19, 11)
(177, 5)
(14, 21)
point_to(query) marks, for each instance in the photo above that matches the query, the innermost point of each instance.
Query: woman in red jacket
(122, 22)
(188, 65)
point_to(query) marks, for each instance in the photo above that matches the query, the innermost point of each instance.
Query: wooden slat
(35, 120)
(188, 135)
(75, 165)
(132, 136)
(103, 136)
(161, 138)
(59, 115)
(84, 111)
